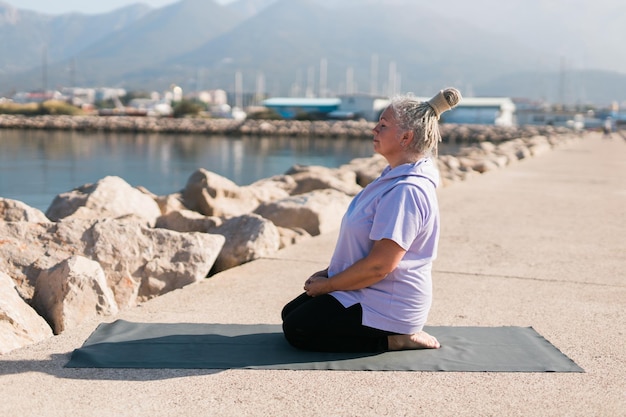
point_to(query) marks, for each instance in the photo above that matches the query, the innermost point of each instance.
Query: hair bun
(452, 95)
(444, 100)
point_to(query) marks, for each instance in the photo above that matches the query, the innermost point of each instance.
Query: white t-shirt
(400, 205)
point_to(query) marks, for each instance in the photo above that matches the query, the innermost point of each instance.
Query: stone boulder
(481, 158)
(20, 325)
(167, 203)
(514, 150)
(316, 212)
(366, 169)
(451, 169)
(71, 292)
(142, 263)
(272, 188)
(170, 202)
(26, 249)
(188, 221)
(110, 197)
(213, 195)
(248, 237)
(538, 145)
(311, 178)
(283, 182)
(481, 165)
(16, 211)
(500, 160)
(139, 262)
(293, 236)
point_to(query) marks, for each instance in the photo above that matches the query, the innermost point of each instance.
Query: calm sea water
(36, 165)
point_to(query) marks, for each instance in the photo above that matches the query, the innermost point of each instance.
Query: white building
(79, 96)
(498, 111)
(361, 106)
(472, 110)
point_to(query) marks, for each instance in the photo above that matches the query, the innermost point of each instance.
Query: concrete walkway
(541, 243)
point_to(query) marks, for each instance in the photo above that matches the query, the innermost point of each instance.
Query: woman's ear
(407, 137)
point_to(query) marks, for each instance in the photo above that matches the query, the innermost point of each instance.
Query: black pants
(323, 324)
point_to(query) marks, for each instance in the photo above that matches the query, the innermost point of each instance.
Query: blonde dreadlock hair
(422, 117)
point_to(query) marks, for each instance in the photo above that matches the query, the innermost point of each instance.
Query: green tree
(187, 108)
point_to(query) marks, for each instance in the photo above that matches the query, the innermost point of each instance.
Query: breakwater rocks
(336, 128)
(107, 246)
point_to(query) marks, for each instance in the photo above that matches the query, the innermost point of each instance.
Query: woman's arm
(382, 259)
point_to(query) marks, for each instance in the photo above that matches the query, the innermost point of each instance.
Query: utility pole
(350, 81)
(392, 79)
(323, 78)
(562, 84)
(260, 87)
(73, 73)
(44, 68)
(310, 83)
(238, 89)
(374, 75)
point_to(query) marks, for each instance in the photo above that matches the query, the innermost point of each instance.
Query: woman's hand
(383, 258)
(317, 285)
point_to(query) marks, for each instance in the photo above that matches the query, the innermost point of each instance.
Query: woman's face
(388, 136)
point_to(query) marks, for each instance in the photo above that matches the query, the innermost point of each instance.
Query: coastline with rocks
(104, 247)
(462, 134)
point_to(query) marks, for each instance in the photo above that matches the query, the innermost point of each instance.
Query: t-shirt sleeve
(399, 215)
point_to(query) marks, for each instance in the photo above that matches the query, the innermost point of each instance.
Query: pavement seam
(560, 281)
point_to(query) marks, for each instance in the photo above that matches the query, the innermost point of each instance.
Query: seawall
(334, 128)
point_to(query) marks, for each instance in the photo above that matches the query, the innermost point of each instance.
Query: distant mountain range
(518, 48)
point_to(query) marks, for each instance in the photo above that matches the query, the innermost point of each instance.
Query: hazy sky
(83, 6)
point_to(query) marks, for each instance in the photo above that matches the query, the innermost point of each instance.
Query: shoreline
(451, 133)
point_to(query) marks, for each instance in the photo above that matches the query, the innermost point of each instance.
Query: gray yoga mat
(124, 344)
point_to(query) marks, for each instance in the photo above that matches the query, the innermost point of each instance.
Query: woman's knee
(285, 312)
(294, 304)
(294, 334)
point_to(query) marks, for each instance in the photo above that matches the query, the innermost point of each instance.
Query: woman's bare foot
(420, 340)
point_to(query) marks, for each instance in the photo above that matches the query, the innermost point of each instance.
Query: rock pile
(106, 246)
(461, 134)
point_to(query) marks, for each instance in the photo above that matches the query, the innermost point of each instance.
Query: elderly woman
(377, 291)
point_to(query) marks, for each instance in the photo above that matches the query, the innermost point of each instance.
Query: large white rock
(289, 237)
(316, 212)
(20, 325)
(16, 211)
(24, 253)
(213, 195)
(248, 237)
(169, 203)
(142, 263)
(188, 221)
(311, 178)
(539, 145)
(366, 169)
(73, 291)
(272, 188)
(139, 262)
(109, 197)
